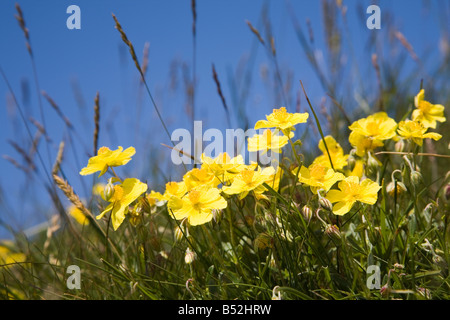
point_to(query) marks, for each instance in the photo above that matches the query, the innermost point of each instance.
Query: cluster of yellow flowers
(205, 191)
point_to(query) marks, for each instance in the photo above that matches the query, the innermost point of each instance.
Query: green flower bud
(416, 177)
(351, 162)
(108, 192)
(307, 213)
(325, 204)
(372, 164)
(190, 256)
(333, 232)
(400, 146)
(401, 188)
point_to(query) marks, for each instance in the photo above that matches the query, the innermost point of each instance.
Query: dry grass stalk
(24, 155)
(256, 32)
(96, 121)
(405, 43)
(129, 44)
(57, 109)
(70, 194)
(15, 163)
(22, 25)
(380, 86)
(194, 16)
(219, 91)
(59, 158)
(40, 128)
(145, 59)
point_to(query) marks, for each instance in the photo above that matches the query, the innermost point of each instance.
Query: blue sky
(95, 59)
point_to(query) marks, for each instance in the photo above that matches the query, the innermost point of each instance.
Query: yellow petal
(335, 195)
(342, 207)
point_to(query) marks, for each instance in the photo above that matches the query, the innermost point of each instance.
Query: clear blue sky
(95, 59)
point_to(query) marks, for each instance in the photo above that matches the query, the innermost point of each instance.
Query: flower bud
(307, 213)
(399, 146)
(145, 205)
(108, 192)
(372, 164)
(325, 204)
(190, 256)
(263, 241)
(351, 162)
(447, 192)
(178, 233)
(333, 232)
(276, 293)
(390, 188)
(416, 177)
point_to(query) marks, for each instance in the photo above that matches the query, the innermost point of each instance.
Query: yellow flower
(155, 199)
(176, 189)
(318, 177)
(124, 194)
(267, 141)
(352, 190)
(250, 180)
(98, 188)
(358, 169)
(427, 113)
(9, 258)
(223, 167)
(282, 120)
(78, 215)
(336, 153)
(198, 205)
(369, 133)
(197, 177)
(415, 131)
(108, 158)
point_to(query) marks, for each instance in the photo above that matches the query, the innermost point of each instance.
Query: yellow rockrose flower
(415, 131)
(267, 141)
(318, 177)
(78, 215)
(338, 158)
(358, 169)
(106, 158)
(200, 176)
(223, 166)
(8, 258)
(281, 119)
(251, 180)
(369, 133)
(351, 191)
(427, 113)
(174, 189)
(124, 194)
(198, 205)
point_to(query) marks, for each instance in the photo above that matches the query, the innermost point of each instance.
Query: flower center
(103, 150)
(280, 114)
(194, 197)
(247, 176)
(317, 171)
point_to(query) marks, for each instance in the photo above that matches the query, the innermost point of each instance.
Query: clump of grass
(283, 239)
